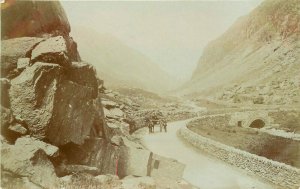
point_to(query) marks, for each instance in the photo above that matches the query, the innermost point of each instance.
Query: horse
(150, 125)
(163, 124)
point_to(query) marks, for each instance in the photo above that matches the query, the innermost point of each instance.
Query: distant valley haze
(170, 35)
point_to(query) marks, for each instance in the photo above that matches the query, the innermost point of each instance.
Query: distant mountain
(118, 64)
(259, 56)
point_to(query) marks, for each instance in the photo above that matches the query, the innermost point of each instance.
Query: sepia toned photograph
(146, 94)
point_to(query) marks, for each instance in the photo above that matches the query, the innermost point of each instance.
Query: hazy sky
(172, 34)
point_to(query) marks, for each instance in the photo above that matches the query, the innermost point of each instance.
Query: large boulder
(23, 161)
(37, 19)
(12, 50)
(133, 159)
(52, 105)
(33, 18)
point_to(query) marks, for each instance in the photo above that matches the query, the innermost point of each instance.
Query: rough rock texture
(52, 50)
(258, 56)
(33, 144)
(52, 106)
(33, 18)
(95, 152)
(12, 50)
(27, 162)
(134, 160)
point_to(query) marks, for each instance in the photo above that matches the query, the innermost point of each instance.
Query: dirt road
(201, 170)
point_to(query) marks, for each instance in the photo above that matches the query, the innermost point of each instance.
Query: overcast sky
(172, 34)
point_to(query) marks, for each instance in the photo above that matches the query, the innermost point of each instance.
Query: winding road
(202, 171)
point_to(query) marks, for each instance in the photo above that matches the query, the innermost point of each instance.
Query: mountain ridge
(261, 49)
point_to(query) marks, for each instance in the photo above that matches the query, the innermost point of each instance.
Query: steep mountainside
(119, 64)
(258, 57)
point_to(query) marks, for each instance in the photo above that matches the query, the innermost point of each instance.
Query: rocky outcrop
(53, 123)
(47, 94)
(53, 106)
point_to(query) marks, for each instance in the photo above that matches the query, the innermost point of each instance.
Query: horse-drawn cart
(155, 118)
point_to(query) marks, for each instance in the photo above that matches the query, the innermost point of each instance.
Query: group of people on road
(156, 118)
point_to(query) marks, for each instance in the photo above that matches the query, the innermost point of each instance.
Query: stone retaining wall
(274, 172)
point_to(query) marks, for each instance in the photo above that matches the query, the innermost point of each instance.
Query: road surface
(201, 170)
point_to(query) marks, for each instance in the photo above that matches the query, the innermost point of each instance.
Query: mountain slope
(258, 56)
(118, 64)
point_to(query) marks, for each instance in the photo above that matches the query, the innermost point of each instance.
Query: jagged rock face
(52, 104)
(33, 18)
(260, 49)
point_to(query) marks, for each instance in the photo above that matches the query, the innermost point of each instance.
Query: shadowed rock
(5, 85)
(95, 152)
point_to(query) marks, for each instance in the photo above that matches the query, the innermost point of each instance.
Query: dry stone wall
(274, 172)
(221, 120)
